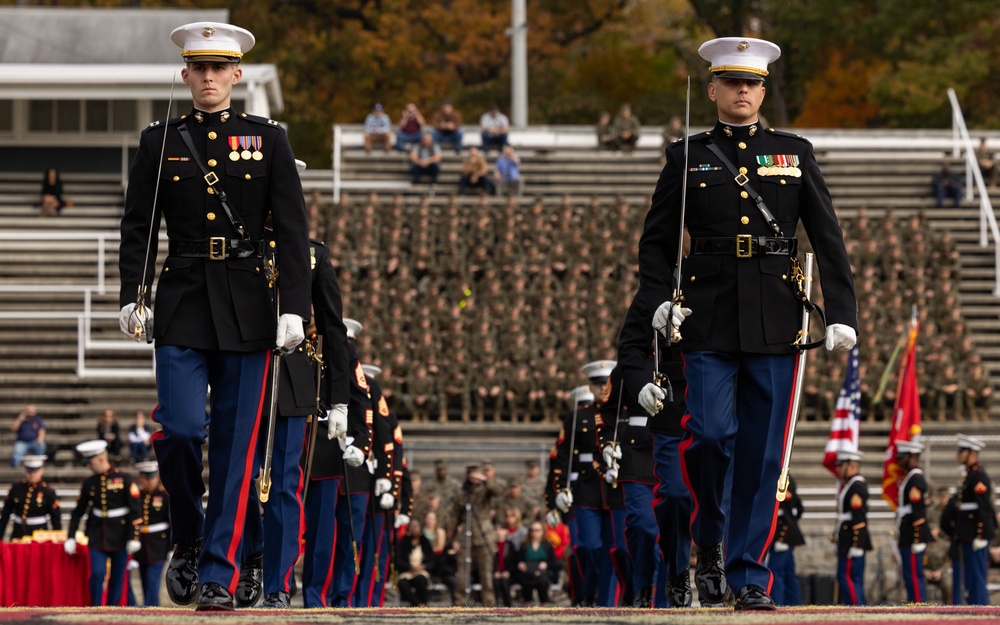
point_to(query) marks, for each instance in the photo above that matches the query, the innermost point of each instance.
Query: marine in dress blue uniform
(912, 530)
(853, 539)
(215, 323)
(787, 536)
(744, 315)
(273, 541)
(975, 525)
(154, 531)
(110, 499)
(334, 505)
(31, 503)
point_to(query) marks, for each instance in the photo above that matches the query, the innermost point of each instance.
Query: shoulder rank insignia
(914, 495)
(856, 501)
(359, 373)
(383, 407)
(133, 490)
(980, 488)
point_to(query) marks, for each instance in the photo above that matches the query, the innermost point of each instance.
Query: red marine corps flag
(905, 417)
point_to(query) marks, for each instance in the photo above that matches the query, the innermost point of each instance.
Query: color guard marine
(31, 503)
(913, 532)
(154, 531)
(787, 536)
(110, 500)
(853, 539)
(975, 524)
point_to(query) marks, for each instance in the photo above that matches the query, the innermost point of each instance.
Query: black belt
(745, 246)
(216, 248)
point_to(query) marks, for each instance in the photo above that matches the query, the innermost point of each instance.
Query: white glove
(979, 543)
(918, 547)
(353, 456)
(552, 518)
(840, 337)
(780, 547)
(387, 501)
(132, 565)
(382, 486)
(564, 500)
(401, 520)
(70, 546)
(290, 332)
(611, 475)
(669, 315)
(336, 425)
(127, 318)
(651, 398)
(855, 552)
(133, 546)
(612, 454)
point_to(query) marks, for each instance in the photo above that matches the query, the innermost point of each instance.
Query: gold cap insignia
(207, 32)
(743, 46)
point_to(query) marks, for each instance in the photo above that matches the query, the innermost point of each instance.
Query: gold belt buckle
(217, 248)
(744, 246)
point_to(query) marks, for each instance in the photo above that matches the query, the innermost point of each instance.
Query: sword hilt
(265, 485)
(782, 493)
(357, 562)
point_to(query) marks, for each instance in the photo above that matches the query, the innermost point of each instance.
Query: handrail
(962, 141)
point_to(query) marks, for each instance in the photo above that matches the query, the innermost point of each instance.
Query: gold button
(212, 136)
(211, 191)
(248, 178)
(740, 145)
(692, 278)
(702, 185)
(211, 216)
(784, 276)
(176, 178)
(744, 194)
(257, 269)
(243, 114)
(166, 269)
(743, 170)
(782, 181)
(212, 163)
(744, 220)
(633, 441)
(272, 244)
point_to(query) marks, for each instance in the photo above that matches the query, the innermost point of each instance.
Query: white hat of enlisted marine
(739, 57)
(147, 468)
(353, 328)
(849, 455)
(372, 371)
(909, 447)
(33, 463)
(969, 442)
(89, 449)
(212, 41)
(599, 370)
(581, 394)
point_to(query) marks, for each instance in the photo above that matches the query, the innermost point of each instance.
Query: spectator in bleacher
(673, 131)
(494, 126)
(414, 560)
(411, 124)
(378, 129)
(109, 432)
(534, 561)
(510, 534)
(507, 170)
(139, 438)
(425, 159)
(625, 128)
(947, 185)
(987, 163)
(30, 435)
(447, 124)
(52, 193)
(475, 173)
(605, 132)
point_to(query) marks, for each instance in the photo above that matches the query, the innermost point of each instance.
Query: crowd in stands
(503, 302)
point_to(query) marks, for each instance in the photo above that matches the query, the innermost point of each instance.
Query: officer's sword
(618, 416)
(317, 356)
(800, 371)
(675, 331)
(271, 270)
(143, 324)
(572, 445)
(350, 512)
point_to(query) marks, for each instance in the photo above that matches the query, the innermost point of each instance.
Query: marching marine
(154, 531)
(975, 524)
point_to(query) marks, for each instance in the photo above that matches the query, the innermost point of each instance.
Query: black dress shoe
(251, 584)
(215, 598)
(679, 590)
(182, 572)
(752, 597)
(710, 577)
(644, 598)
(277, 600)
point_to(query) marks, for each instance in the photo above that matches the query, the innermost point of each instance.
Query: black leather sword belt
(745, 246)
(216, 248)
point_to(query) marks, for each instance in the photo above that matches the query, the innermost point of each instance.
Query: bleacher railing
(963, 146)
(85, 316)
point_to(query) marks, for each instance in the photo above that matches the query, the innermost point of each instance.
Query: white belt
(31, 520)
(904, 510)
(969, 506)
(155, 527)
(110, 514)
(639, 422)
(844, 516)
(586, 457)
(574, 476)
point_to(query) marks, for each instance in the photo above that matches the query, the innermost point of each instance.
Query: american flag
(847, 420)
